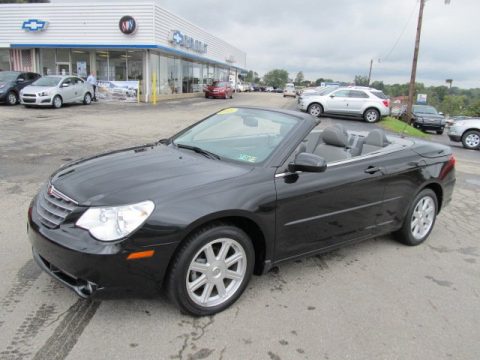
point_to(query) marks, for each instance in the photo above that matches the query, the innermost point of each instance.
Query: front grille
(30, 95)
(53, 207)
(30, 101)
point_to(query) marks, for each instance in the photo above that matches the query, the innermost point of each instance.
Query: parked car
(57, 90)
(467, 131)
(278, 90)
(426, 117)
(449, 121)
(11, 82)
(289, 90)
(269, 89)
(369, 103)
(219, 89)
(241, 191)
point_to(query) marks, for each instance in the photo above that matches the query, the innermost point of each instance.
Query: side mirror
(20, 80)
(308, 162)
(332, 96)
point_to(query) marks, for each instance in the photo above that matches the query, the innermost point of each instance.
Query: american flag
(21, 60)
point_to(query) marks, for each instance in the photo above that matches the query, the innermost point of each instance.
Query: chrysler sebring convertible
(235, 194)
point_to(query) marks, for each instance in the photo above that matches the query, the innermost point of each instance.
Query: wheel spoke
(223, 251)
(197, 283)
(207, 291)
(233, 259)
(201, 268)
(210, 254)
(222, 292)
(229, 274)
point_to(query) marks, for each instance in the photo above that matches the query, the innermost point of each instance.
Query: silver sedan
(57, 90)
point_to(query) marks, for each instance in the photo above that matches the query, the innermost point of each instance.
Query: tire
(423, 209)
(57, 102)
(315, 109)
(87, 99)
(439, 132)
(371, 116)
(204, 297)
(12, 98)
(471, 140)
(206, 96)
(231, 96)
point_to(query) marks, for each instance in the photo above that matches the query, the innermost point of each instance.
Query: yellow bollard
(154, 88)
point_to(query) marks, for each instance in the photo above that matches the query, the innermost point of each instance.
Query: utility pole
(370, 72)
(411, 89)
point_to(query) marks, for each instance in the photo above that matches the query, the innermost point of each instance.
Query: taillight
(386, 103)
(449, 166)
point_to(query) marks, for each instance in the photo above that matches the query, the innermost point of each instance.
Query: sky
(337, 38)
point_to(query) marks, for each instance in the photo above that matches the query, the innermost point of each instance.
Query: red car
(219, 89)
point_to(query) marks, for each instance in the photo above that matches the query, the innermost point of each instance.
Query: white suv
(369, 103)
(467, 131)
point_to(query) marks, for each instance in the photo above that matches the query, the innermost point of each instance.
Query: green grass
(399, 127)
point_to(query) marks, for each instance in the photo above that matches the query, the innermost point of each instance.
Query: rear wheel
(371, 115)
(57, 102)
(420, 219)
(211, 270)
(12, 98)
(315, 109)
(471, 139)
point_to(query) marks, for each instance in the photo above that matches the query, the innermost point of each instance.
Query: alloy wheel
(371, 116)
(315, 110)
(423, 217)
(12, 98)
(216, 272)
(472, 140)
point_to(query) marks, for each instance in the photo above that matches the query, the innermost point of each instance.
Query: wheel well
(316, 103)
(472, 129)
(249, 227)
(371, 108)
(437, 189)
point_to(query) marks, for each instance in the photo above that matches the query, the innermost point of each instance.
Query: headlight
(44, 93)
(113, 223)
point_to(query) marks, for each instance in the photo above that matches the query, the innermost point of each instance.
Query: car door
(67, 90)
(337, 102)
(79, 89)
(322, 210)
(356, 99)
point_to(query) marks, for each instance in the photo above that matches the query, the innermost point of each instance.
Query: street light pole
(370, 72)
(411, 89)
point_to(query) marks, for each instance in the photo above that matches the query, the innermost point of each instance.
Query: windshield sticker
(248, 158)
(227, 111)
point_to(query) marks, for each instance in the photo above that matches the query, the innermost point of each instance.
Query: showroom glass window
(80, 62)
(164, 87)
(4, 59)
(117, 66)
(102, 64)
(135, 65)
(187, 76)
(47, 61)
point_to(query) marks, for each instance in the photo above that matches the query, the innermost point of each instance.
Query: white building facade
(120, 41)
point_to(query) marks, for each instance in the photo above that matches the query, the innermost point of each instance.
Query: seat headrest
(334, 135)
(377, 137)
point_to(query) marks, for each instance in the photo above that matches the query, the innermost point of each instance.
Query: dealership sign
(127, 25)
(177, 38)
(421, 98)
(34, 25)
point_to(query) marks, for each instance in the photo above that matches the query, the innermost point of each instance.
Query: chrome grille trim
(53, 207)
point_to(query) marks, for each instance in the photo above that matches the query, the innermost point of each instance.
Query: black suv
(11, 82)
(428, 118)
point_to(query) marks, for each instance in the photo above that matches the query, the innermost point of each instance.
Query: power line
(384, 58)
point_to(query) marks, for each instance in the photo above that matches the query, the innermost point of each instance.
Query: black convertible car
(234, 194)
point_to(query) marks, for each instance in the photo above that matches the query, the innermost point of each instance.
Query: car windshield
(219, 84)
(245, 135)
(8, 76)
(424, 110)
(48, 81)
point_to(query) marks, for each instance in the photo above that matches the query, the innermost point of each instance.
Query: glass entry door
(63, 68)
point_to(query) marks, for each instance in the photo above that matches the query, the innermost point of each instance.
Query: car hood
(149, 172)
(36, 89)
(5, 83)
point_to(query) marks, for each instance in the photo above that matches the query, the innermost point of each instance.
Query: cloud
(337, 39)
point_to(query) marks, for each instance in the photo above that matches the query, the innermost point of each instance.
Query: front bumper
(84, 264)
(36, 100)
(429, 126)
(454, 133)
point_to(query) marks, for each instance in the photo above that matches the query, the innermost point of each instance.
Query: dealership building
(121, 41)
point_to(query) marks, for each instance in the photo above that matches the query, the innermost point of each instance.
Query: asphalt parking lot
(374, 300)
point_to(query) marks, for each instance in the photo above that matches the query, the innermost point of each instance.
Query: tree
(379, 85)
(361, 80)
(276, 78)
(453, 105)
(299, 78)
(251, 76)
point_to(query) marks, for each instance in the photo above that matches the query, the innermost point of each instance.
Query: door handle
(373, 169)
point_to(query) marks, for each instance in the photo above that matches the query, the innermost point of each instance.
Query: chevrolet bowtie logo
(34, 25)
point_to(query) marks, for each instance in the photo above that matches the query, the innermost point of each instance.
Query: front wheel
(439, 132)
(471, 140)
(211, 270)
(315, 109)
(57, 102)
(420, 219)
(12, 98)
(87, 99)
(371, 115)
